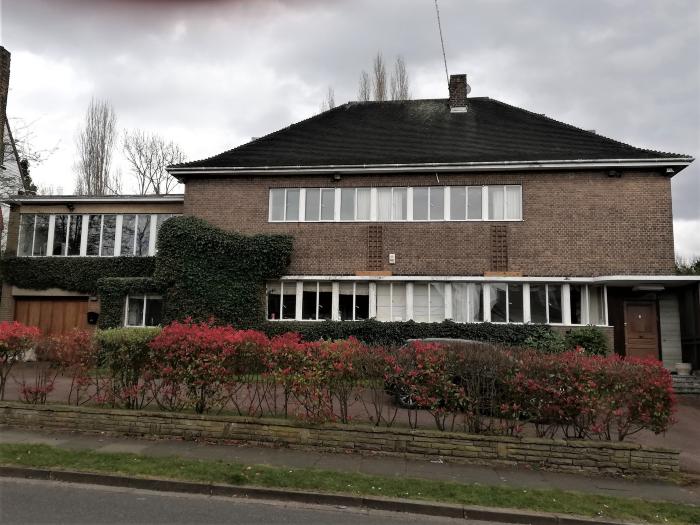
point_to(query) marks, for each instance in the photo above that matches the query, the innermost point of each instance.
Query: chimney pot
(458, 93)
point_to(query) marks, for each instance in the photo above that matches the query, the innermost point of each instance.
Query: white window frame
(143, 316)
(374, 203)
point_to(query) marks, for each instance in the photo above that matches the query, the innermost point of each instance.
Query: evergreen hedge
(374, 332)
(76, 274)
(209, 273)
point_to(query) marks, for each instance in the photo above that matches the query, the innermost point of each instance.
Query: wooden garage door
(52, 315)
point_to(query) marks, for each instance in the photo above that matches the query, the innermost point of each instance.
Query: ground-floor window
(143, 310)
(428, 301)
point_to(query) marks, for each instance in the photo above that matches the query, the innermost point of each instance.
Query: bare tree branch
(399, 81)
(95, 143)
(379, 78)
(329, 100)
(148, 156)
(364, 90)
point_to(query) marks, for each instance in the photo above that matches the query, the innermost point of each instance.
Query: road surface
(30, 501)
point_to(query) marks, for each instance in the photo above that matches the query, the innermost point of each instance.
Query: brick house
(466, 209)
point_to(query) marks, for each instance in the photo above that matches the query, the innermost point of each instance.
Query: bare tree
(148, 156)
(95, 142)
(328, 100)
(399, 81)
(379, 78)
(364, 91)
(24, 137)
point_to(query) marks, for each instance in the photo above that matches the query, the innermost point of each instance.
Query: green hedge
(381, 333)
(210, 273)
(113, 291)
(77, 274)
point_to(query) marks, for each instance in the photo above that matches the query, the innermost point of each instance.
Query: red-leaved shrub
(15, 340)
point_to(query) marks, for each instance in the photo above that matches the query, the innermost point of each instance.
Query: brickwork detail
(374, 247)
(589, 456)
(499, 248)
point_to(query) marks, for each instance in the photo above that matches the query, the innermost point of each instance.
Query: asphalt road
(33, 502)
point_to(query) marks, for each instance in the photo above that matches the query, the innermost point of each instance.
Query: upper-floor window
(427, 203)
(101, 235)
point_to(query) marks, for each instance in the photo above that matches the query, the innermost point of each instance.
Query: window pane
(109, 230)
(292, 213)
(474, 205)
(515, 303)
(538, 303)
(276, 204)
(496, 202)
(325, 300)
(93, 236)
(420, 302)
(437, 204)
(513, 203)
(400, 199)
(313, 204)
(308, 302)
(363, 204)
(128, 228)
(596, 299)
(41, 234)
(135, 313)
(26, 235)
(273, 301)
(345, 307)
(161, 218)
(154, 311)
(420, 204)
(289, 301)
(437, 302)
(347, 204)
(143, 235)
(498, 303)
(75, 231)
(383, 302)
(476, 303)
(361, 301)
(60, 232)
(575, 294)
(554, 298)
(384, 203)
(327, 205)
(460, 302)
(398, 302)
(458, 203)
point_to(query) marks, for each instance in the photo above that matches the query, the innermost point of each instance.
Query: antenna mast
(442, 41)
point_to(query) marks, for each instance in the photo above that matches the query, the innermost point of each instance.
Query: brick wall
(575, 224)
(588, 456)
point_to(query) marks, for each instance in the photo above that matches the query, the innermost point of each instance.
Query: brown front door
(53, 316)
(641, 333)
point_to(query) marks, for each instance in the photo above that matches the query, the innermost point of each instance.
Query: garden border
(597, 457)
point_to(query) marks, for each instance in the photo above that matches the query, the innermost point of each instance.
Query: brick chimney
(458, 93)
(4, 87)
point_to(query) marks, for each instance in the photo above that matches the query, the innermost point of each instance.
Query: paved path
(50, 502)
(378, 465)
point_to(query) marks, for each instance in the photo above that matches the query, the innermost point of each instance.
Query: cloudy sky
(211, 74)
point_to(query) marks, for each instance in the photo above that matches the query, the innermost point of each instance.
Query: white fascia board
(438, 166)
(659, 279)
(68, 199)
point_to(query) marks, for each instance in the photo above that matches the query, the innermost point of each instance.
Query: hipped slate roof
(423, 132)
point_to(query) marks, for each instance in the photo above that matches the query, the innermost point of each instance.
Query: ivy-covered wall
(76, 274)
(207, 272)
(113, 291)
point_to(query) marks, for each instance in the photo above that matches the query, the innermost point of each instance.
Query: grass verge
(44, 456)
